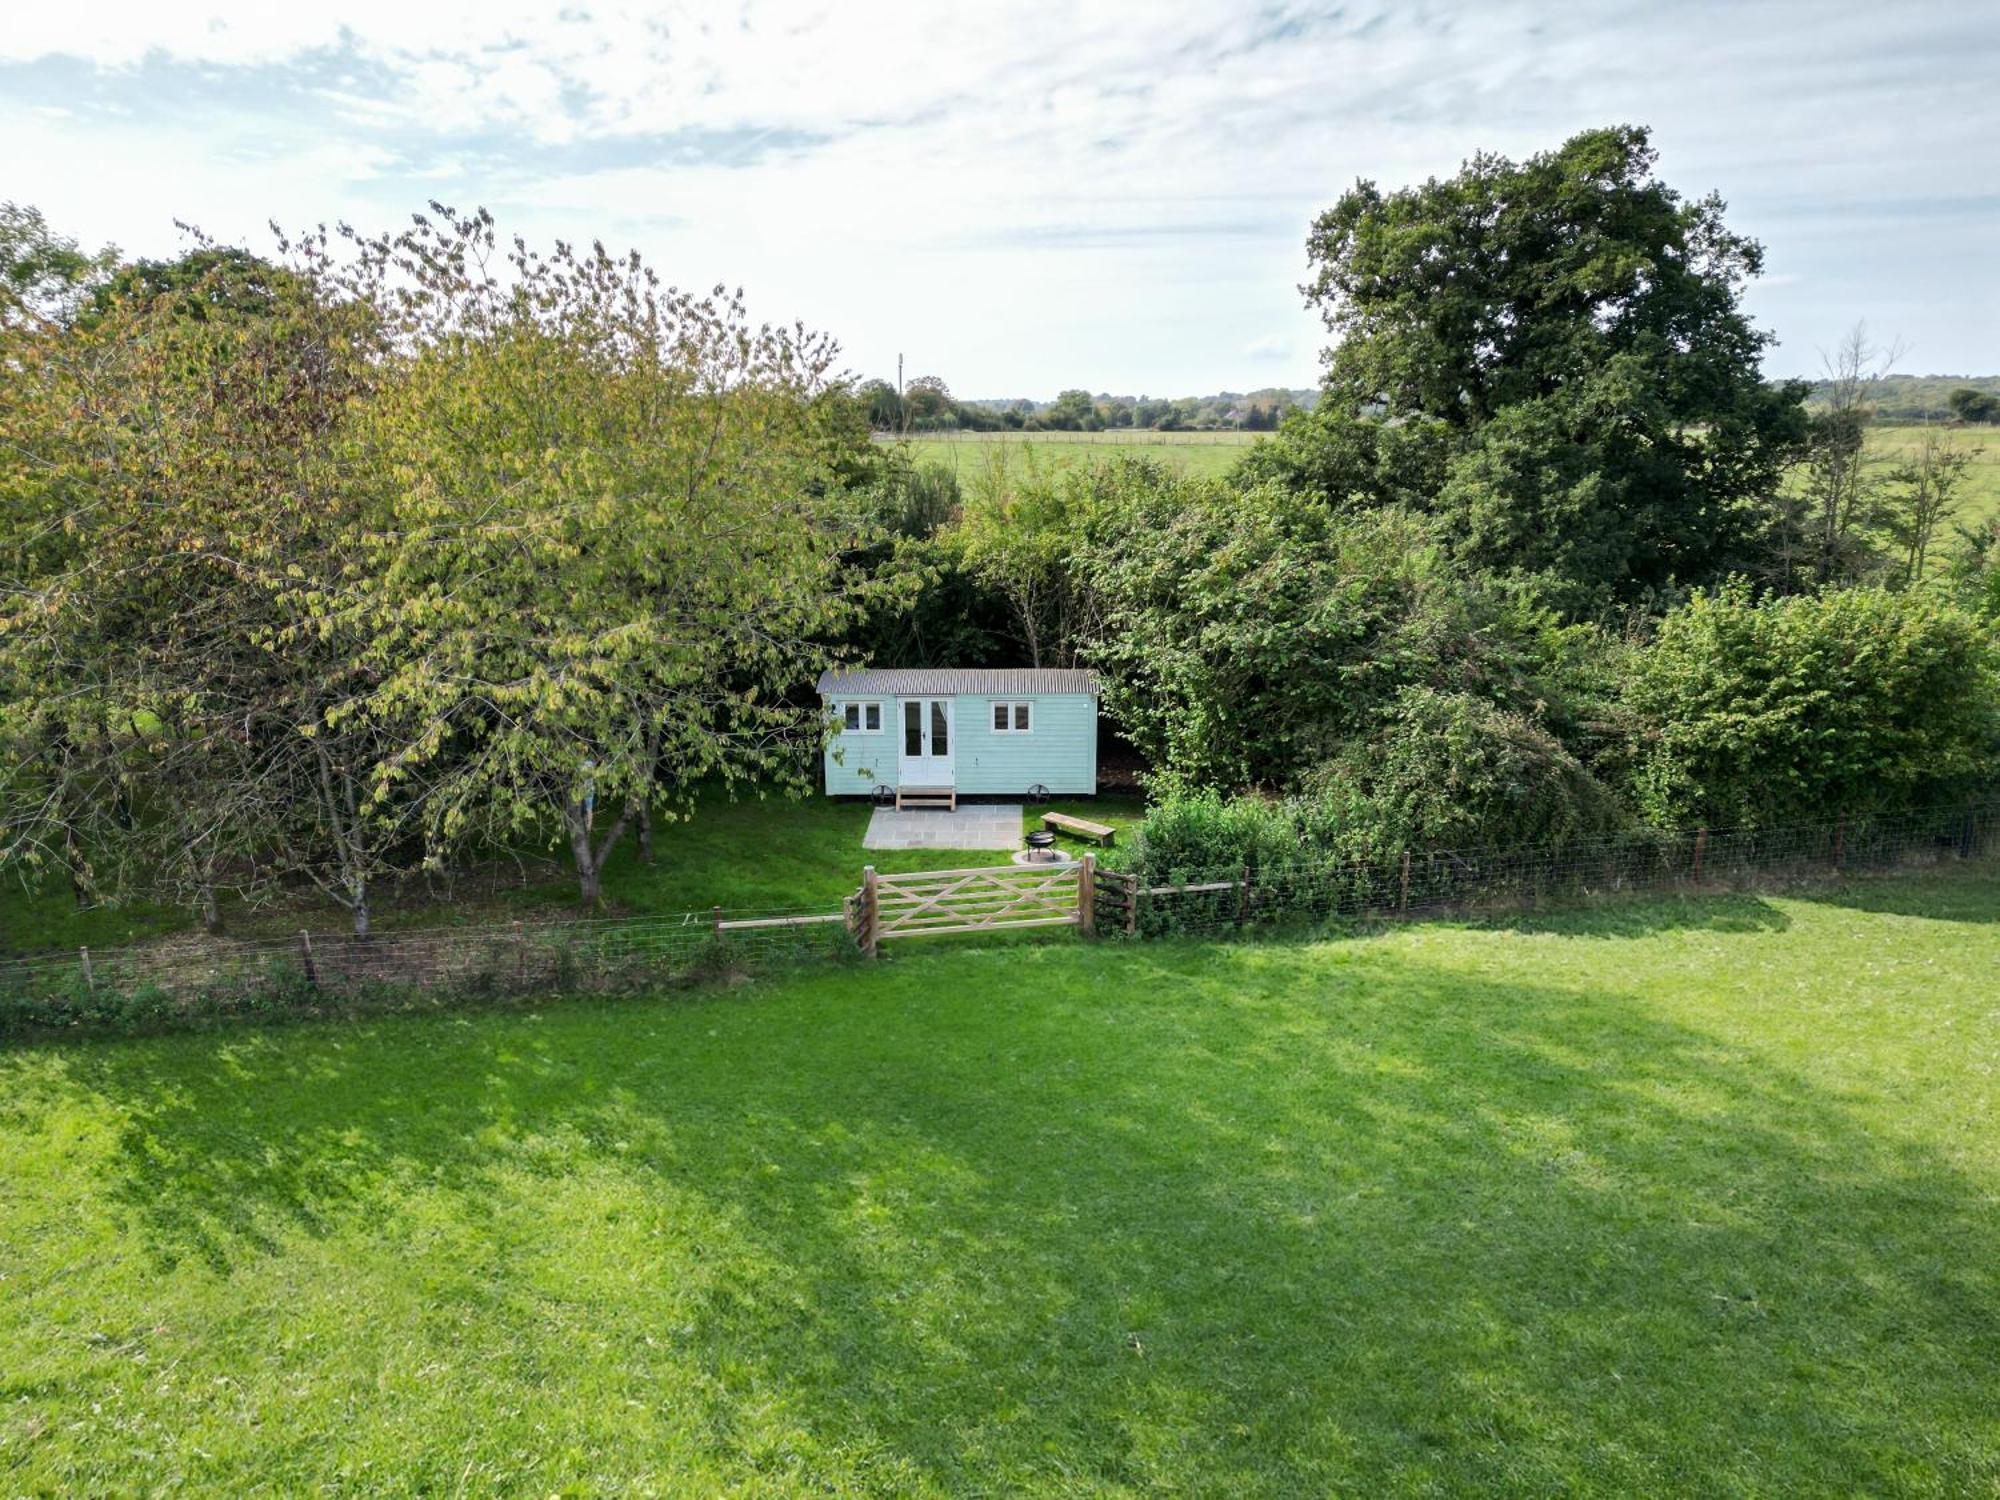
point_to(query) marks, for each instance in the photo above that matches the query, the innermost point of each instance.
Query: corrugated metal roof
(946, 680)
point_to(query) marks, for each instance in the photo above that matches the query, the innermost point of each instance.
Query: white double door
(926, 741)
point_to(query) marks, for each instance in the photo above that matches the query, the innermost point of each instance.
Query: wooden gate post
(1243, 897)
(1086, 896)
(871, 920)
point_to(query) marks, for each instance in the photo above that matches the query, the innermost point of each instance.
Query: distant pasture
(1213, 453)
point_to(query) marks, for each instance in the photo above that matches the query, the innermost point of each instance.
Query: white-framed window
(861, 717)
(1013, 718)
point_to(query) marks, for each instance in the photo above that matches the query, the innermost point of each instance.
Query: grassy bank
(1678, 1197)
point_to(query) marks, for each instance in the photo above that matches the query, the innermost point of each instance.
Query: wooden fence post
(870, 918)
(1086, 896)
(520, 954)
(1403, 901)
(1839, 842)
(1243, 897)
(1132, 887)
(1700, 844)
(306, 958)
(89, 978)
(718, 924)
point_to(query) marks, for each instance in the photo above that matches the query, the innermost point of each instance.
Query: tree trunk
(341, 808)
(73, 858)
(645, 818)
(590, 860)
(589, 891)
(211, 912)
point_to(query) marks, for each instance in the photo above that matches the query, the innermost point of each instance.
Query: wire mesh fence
(1211, 900)
(198, 977)
(202, 977)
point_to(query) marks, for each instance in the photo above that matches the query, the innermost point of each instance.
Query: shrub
(1195, 833)
(1975, 570)
(1450, 770)
(1443, 770)
(1761, 713)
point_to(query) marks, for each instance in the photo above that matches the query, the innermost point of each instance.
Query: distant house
(936, 734)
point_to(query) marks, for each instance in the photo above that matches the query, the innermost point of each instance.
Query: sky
(1023, 196)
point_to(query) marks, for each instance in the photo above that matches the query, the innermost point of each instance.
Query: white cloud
(1019, 196)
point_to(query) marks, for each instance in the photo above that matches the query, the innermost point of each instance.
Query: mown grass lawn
(748, 853)
(1692, 1197)
(782, 852)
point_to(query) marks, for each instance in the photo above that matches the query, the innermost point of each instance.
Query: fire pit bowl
(1041, 850)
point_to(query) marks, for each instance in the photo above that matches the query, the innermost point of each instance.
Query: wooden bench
(1083, 828)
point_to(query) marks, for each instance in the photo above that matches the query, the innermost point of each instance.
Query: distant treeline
(926, 404)
(1925, 398)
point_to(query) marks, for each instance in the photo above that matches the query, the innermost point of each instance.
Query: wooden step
(932, 798)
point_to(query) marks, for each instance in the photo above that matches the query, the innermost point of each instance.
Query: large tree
(180, 547)
(1249, 637)
(321, 567)
(44, 276)
(1970, 405)
(1568, 331)
(615, 536)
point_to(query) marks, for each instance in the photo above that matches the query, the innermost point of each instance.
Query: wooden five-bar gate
(998, 898)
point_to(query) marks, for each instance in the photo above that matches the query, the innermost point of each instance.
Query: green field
(971, 453)
(1981, 496)
(1208, 453)
(1694, 1197)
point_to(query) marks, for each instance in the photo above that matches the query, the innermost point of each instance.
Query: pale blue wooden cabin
(937, 734)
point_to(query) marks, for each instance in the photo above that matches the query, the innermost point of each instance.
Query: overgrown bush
(1450, 770)
(1247, 637)
(1441, 771)
(1754, 714)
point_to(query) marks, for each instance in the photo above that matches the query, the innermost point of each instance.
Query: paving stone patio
(983, 825)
